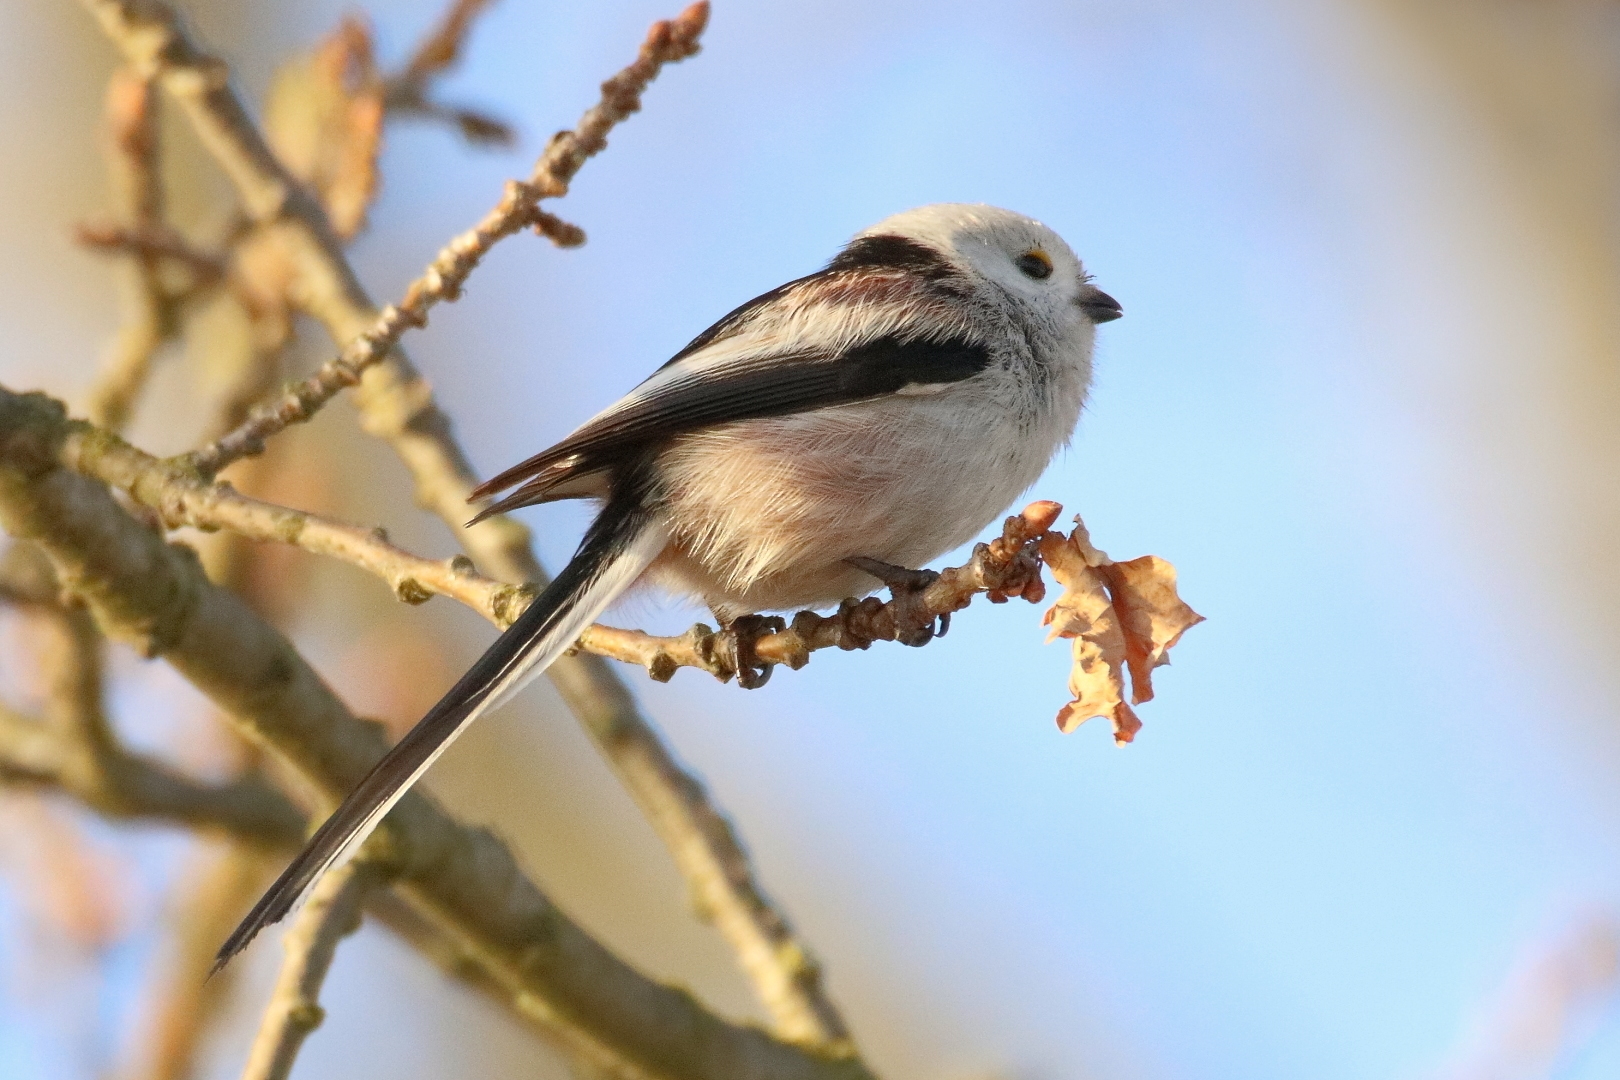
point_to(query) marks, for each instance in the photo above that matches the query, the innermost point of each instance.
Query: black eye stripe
(1035, 265)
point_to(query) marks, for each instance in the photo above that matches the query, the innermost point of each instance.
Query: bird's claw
(914, 624)
(735, 647)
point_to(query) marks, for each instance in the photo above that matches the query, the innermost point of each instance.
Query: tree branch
(407, 91)
(75, 749)
(119, 785)
(180, 1005)
(154, 594)
(331, 914)
(138, 190)
(441, 49)
(154, 243)
(397, 405)
(667, 42)
(701, 839)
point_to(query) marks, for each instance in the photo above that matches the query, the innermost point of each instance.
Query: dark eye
(1035, 264)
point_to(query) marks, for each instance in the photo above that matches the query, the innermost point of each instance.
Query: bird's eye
(1035, 264)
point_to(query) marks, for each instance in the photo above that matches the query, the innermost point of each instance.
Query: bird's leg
(735, 647)
(914, 624)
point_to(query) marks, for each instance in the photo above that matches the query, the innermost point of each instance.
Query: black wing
(748, 388)
(752, 386)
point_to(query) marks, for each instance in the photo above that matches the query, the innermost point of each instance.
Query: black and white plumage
(887, 407)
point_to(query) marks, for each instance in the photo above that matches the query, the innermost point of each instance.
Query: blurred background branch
(331, 914)
(133, 161)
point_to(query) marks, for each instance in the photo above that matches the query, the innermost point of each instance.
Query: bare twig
(1006, 567)
(133, 163)
(518, 209)
(407, 92)
(475, 125)
(397, 405)
(75, 749)
(182, 498)
(153, 594)
(332, 913)
(441, 49)
(206, 904)
(119, 784)
(154, 243)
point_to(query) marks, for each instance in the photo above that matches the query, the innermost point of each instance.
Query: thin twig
(332, 913)
(153, 243)
(206, 903)
(154, 595)
(133, 163)
(441, 49)
(408, 91)
(475, 125)
(518, 209)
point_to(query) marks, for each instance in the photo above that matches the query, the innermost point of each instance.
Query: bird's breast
(763, 513)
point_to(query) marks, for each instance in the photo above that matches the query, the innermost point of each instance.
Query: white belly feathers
(762, 513)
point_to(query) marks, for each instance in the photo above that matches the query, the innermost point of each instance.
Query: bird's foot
(914, 624)
(734, 646)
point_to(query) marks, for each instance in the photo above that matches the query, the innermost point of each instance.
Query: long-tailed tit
(887, 408)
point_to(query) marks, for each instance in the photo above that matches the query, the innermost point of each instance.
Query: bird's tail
(621, 543)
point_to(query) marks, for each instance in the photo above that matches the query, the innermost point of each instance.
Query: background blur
(1364, 397)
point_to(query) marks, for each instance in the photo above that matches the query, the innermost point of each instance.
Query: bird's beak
(1098, 305)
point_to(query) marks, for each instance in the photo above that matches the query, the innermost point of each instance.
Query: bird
(868, 417)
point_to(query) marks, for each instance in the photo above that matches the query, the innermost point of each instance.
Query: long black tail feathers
(616, 549)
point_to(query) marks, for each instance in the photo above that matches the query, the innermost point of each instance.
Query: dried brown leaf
(1085, 613)
(1152, 615)
(325, 117)
(1122, 617)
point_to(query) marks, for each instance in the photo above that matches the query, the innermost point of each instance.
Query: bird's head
(1023, 259)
